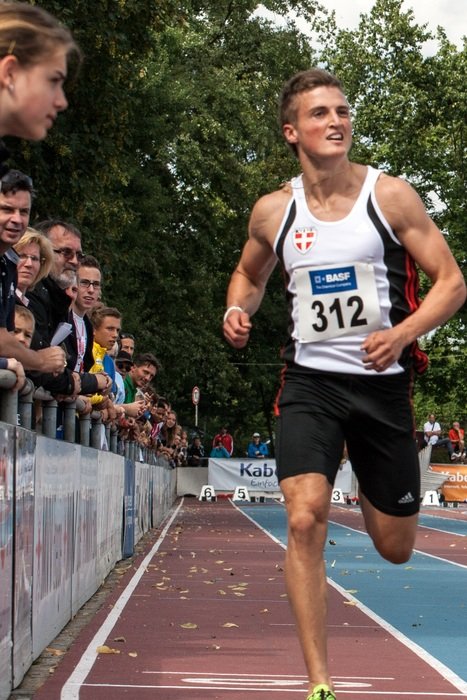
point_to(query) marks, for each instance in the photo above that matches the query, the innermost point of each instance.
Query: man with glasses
(49, 301)
(50, 305)
(79, 343)
(16, 192)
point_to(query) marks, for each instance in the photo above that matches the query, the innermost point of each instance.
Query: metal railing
(36, 409)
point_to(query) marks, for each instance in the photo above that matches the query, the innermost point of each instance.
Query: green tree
(410, 119)
(171, 136)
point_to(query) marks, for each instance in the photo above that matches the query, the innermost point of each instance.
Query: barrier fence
(68, 513)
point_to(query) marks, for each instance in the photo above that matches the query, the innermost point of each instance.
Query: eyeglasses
(32, 258)
(69, 253)
(124, 365)
(14, 179)
(88, 283)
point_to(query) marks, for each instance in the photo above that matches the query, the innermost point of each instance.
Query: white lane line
(442, 531)
(342, 691)
(416, 551)
(70, 690)
(443, 670)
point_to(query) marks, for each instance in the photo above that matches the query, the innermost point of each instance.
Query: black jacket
(50, 306)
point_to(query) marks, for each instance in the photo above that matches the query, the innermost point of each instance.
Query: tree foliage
(170, 137)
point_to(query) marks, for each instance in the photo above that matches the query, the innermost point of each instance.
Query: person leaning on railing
(13, 365)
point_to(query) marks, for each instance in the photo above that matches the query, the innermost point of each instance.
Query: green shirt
(130, 389)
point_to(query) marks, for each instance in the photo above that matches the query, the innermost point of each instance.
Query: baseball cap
(124, 357)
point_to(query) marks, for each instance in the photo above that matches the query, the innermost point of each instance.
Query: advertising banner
(260, 475)
(142, 500)
(24, 553)
(455, 486)
(57, 471)
(129, 509)
(85, 582)
(7, 437)
(110, 476)
(254, 475)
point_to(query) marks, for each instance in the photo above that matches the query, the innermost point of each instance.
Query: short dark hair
(303, 81)
(90, 261)
(48, 224)
(13, 181)
(99, 312)
(147, 358)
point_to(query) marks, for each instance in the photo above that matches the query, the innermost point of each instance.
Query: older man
(50, 305)
(16, 190)
(49, 301)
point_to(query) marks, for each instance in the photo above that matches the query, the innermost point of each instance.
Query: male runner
(347, 237)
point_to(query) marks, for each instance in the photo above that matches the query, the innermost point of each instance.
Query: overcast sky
(450, 14)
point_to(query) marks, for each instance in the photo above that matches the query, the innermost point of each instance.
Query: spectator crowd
(57, 329)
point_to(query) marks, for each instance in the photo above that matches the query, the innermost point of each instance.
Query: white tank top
(344, 279)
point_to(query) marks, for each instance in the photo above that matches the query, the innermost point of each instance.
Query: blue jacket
(257, 451)
(219, 453)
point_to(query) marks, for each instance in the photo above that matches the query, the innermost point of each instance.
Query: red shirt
(226, 440)
(456, 435)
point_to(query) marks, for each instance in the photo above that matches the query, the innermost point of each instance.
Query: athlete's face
(322, 127)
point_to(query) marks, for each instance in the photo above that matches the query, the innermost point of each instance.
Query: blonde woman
(35, 260)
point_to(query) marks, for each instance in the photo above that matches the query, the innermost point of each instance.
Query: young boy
(24, 326)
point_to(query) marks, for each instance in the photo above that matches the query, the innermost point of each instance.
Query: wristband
(232, 308)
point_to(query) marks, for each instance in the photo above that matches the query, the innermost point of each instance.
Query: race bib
(336, 300)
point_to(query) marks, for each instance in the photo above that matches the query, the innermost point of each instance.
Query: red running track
(204, 615)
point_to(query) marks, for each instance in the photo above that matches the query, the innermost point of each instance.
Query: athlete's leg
(307, 498)
(383, 454)
(393, 536)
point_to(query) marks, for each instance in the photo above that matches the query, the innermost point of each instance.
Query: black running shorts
(319, 411)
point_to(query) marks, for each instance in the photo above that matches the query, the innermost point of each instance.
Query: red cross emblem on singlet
(303, 239)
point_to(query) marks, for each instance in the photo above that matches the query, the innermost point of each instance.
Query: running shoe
(322, 692)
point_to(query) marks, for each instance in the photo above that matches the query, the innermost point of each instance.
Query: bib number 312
(354, 304)
(336, 301)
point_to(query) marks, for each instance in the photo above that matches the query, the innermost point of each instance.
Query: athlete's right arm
(249, 279)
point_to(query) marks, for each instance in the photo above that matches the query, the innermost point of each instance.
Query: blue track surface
(456, 527)
(425, 599)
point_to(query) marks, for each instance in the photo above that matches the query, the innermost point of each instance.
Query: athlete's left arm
(406, 214)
